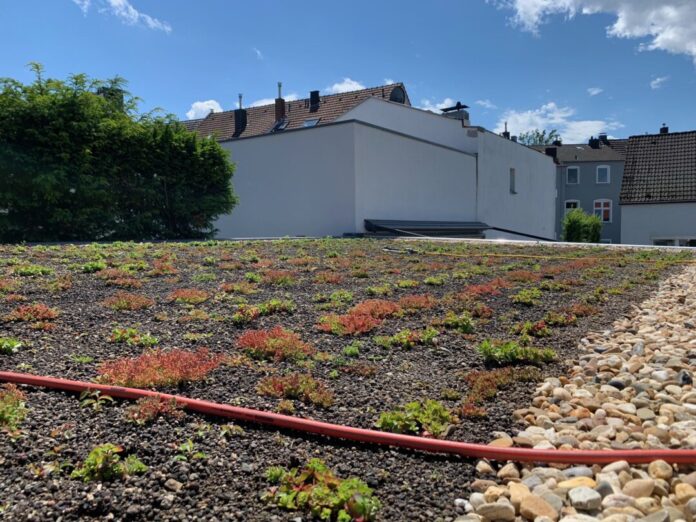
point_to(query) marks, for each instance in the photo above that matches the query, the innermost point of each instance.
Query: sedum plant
(426, 418)
(104, 463)
(511, 352)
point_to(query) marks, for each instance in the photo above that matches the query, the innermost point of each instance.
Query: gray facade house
(589, 177)
(658, 196)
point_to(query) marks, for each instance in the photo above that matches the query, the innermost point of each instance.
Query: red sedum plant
(276, 344)
(297, 386)
(128, 301)
(31, 313)
(159, 368)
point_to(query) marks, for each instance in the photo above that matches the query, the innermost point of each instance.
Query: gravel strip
(632, 388)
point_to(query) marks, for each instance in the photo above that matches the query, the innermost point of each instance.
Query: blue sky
(581, 66)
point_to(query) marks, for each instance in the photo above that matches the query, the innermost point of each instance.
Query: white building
(323, 165)
(658, 193)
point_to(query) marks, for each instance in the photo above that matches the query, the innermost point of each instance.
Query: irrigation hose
(465, 449)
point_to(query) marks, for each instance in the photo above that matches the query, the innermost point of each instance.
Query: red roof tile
(261, 120)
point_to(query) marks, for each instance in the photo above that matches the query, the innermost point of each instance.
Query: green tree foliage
(538, 137)
(579, 227)
(77, 162)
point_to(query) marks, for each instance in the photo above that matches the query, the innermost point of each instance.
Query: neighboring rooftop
(660, 168)
(598, 149)
(298, 114)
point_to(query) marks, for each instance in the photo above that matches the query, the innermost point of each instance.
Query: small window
(512, 181)
(312, 122)
(603, 174)
(572, 176)
(571, 204)
(606, 241)
(687, 242)
(663, 242)
(280, 125)
(602, 208)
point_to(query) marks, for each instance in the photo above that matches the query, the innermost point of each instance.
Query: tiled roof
(571, 153)
(260, 120)
(660, 168)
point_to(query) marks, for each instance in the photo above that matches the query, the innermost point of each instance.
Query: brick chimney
(279, 104)
(664, 129)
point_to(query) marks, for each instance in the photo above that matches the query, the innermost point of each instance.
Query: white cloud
(667, 25)
(657, 82)
(551, 116)
(594, 91)
(128, 14)
(486, 104)
(346, 85)
(388, 81)
(258, 53)
(436, 107)
(269, 101)
(200, 109)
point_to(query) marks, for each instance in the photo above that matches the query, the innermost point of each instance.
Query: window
(602, 208)
(572, 175)
(682, 242)
(312, 122)
(512, 181)
(571, 204)
(603, 174)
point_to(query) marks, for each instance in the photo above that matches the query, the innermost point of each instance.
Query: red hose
(364, 435)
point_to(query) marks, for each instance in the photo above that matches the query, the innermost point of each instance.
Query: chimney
(551, 151)
(279, 104)
(313, 101)
(593, 143)
(604, 138)
(240, 119)
(664, 129)
(506, 133)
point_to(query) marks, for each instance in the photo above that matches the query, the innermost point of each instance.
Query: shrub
(9, 345)
(147, 409)
(579, 227)
(408, 338)
(276, 344)
(280, 277)
(348, 324)
(13, 409)
(316, 489)
(413, 303)
(377, 308)
(104, 464)
(297, 386)
(527, 297)
(188, 296)
(128, 301)
(30, 313)
(132, 337)
(511, 352)
(429, 418)
(159, 368)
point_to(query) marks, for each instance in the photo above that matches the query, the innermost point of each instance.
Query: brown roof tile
(660, 168)
(260, 120)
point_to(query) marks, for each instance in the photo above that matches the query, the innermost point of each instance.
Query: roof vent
(313, 101)
(457, 112)
(664, 129)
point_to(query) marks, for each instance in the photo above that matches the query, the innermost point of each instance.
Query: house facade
(658, 195)
(324, 165)
(589, 177)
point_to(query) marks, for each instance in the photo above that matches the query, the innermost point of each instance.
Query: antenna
(240, 100)
(280, 87)
(505, 126)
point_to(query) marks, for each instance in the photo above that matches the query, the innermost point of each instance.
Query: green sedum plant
(316, 489)
(511, 352)
(427, 418)
(104, 463)
(9, 345)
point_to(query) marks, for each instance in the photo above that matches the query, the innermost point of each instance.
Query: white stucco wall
(532, 209)
(414, 122)
(296, 183)
(641, 224)
(408, 179)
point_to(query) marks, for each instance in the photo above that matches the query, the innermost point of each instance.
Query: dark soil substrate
(228, 484)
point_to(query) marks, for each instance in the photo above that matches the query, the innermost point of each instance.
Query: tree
(78, 162)
(539, 137)
(579, 227)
